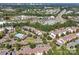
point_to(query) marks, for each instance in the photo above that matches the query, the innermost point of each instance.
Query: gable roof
(65, 39)
(38, 49)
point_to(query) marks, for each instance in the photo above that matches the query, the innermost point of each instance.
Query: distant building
(2, 29)
(76, 12)
(70, 17)
(38, 33)
(9, 28)
(2, 22)
(69, 12)
(8, 9)
(51, 17)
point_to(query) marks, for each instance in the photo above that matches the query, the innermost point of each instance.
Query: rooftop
(73, 43)
(19, 35)
(61, 30)
(38, 49)
(66, 38)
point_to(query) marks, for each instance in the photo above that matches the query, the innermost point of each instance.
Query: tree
(12, 34)
(45, 34)
(11, 49)
(44, 53)
(18, 40)
(77, 49)
(27, 23)
(18, 29)
(18, 46)
(32, 45)
(44, 40)
(2, 45)
(7, 18)
(31, 42)
(64, 50)
(8, 46)
(1, 34)
(54, 48)
(49, 52)
(67, 32)
(69, 23)
(57, 36)
(62, 34)
(49, 38)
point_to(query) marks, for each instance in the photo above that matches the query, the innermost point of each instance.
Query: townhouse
(64, 31)
(72, 45)
(35, 31)
(57, 32)
(67, 38)
(7, 52)
(39, 49)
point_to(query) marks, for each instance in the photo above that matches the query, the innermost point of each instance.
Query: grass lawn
(30, 40)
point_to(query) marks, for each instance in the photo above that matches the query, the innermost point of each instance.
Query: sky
(39, 1)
